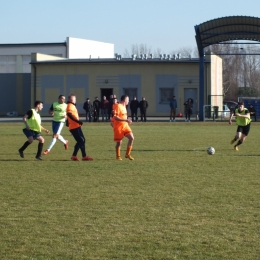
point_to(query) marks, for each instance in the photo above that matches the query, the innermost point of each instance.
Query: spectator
(143, 107)
(89, 110)
(104, 108)
(110, 106)
(173, 106)
(134, 107)
(96, 108)
(252, 111)
(188, 109)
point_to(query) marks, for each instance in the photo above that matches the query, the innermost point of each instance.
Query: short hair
(240, 103)
(37, 102)
(123, 97)
(61, 96)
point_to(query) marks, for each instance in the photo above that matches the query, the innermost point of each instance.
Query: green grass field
(174, 201)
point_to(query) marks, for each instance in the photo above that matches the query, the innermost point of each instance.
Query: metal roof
(227, 29)
(116, 61)
(7, 45)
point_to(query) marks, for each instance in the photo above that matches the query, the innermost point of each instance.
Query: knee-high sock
(25, 145)
(39, 152)
(62, 139)
(52, 143)
(128, 150)
(118, 151)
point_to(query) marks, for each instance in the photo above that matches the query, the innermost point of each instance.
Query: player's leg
(244, 134)
(118, 150)
(40, 146)
(29, 135)
(129, 148)
(238, 135)
(60, 137)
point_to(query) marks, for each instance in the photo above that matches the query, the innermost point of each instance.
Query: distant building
(158, 79)
(15, 68)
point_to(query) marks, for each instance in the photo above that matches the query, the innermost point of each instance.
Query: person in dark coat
(188, 109)
(134, 105)
(104, 108)
(89, 110)
(143, 107)
(252, 111)
(96, 108)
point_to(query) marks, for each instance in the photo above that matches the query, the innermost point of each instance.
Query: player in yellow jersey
(121, 128)
(243, 124)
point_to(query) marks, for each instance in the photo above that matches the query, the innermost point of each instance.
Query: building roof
(227, 29)
(116, 61)
(7, 45)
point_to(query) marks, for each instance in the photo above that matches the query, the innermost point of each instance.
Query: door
(191, 93)
(106, 92)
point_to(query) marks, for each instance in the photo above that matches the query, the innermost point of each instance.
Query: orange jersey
(71, 108)
(121, 128)
(120, 111)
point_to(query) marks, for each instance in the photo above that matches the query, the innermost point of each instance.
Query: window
(130, 92)
(166, 94)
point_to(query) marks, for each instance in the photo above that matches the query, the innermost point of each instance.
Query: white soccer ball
(211, 150)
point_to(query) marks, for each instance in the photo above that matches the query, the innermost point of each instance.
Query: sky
(167, 25)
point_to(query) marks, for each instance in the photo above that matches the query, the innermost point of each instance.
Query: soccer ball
(211, 150)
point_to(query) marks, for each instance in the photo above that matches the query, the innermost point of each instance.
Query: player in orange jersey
(75, 129)
(121, 128)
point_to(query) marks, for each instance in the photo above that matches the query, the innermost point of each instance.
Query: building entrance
(106, 92)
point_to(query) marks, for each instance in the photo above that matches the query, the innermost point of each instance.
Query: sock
(62, 139)
(117, 152)
(26, 144)
(39, 152)
(53, 141)
(239, 142)
(128, 150)
(235, 138)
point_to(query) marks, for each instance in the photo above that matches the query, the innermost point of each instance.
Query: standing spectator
(143, 107)
(188, 109)
(173, 106)
(58, 112)
(33, 128)
(96, 108)
(110, 106)
(75, 129)
(89, 110)
(252, 111)
(134, 104)
(104, 108)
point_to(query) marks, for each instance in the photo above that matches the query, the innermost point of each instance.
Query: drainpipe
(34, 85)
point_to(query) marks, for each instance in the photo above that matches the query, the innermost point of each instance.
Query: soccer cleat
(119, 158)
(87, 158)
(74, 158)
(66, 145)
(236, 148)
(129, 157)
(38, 158)
(46, 152)
(21, 153)
(232, 141)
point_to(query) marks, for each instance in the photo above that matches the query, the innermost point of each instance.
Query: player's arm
(45, 130)
(247, 115)
(28, 115)
(74, 118)
(117, 118)
(51, 111)
(232, 113)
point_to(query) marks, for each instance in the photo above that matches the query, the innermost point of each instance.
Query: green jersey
(59, 111)
(34, 121)
(242, 121)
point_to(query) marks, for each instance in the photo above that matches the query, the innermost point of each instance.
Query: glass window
(166, 94)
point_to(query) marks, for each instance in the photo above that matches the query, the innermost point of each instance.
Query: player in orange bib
(122, 129)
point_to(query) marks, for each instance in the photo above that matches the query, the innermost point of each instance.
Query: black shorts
(244, 129)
